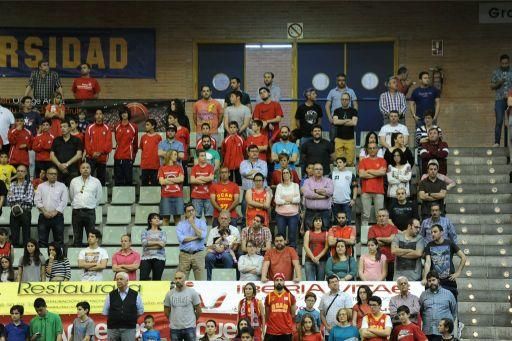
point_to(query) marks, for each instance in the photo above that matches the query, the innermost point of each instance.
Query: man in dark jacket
(122, 307)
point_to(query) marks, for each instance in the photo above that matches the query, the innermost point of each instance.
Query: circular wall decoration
(320, 81)
(220, 81)
(369, 81)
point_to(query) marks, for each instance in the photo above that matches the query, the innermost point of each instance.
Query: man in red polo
(342, 232)
(280, 311)
(384, 232)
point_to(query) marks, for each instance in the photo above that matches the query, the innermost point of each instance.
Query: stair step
(480, 219)
(470, 160)
(454, 198)
(483, 333)
(481, 208)
(484, 283)
(478, 151)
(485, 307)
(482, 189)
(486, 250)
(469, 295)
(483, 229)
(489, 240)
(485, 272)
(478, 170)
(484, 320)
(490, 179)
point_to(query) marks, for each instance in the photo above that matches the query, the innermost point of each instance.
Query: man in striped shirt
(393, 100)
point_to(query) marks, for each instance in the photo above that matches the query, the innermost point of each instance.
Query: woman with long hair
(56, 112)
(8, 274)
(171, 177)
(399, 174)
(361, 308)
(31, 265)
(211, 333)
(371, 137)
(178, 107)
(242, 324)
(252, 309)
(344, 330)
(57, 266)
(316, 246)
(397, 143)
(153, 250)
(341, 264)
(373, 265)
(307, 329)
(287, 201)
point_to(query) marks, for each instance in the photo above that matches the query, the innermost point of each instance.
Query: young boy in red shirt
(201, 179)
(150, 161)
(127, 135)
(258, 139)
(233, 153)
(42, 145)
(406, 331)
(20, 140)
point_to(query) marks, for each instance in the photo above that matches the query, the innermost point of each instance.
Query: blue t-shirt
(151, 335)
(425, 98)
(348, 333)
(303, 311)
(288, 148)
(17, 333)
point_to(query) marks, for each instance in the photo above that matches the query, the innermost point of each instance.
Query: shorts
(203, 205)
(171, 206)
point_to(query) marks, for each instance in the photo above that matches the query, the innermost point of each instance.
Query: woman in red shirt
(56, 112)
(307, 330)
(258, 200)
(252, 309)
(361, 308)
(170, 176)
(316, 247)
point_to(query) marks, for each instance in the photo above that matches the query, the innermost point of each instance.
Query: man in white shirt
(344, 196)
(85, 194)
(50, 199)
(333, 301)
(6, 121)
(392, 127)
(93, 259)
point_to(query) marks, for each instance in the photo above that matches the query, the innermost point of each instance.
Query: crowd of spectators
(256, 169)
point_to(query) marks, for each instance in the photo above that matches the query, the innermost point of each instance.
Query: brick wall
(471, 49)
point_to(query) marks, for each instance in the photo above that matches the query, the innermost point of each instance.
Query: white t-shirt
(6, 120)
(93, 255)
(387, 130)
(342, 186)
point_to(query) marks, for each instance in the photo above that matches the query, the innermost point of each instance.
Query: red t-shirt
(410, 332)
(265, 112)
(85, 88)
(281, 261)
(260, 141)
(253, 211)
(375, 185)
(149, 149)
(313, 337)
(279, 320)
(201, 191)
(183, 135)
(224, 196)
(383, 231)
(277, 177)
(170, 172)
(344, 232)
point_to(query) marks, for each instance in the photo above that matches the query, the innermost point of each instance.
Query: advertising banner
(112, 53)
(219, 300)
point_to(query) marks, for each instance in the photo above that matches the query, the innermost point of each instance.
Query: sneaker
(496, 145)
(460, 326)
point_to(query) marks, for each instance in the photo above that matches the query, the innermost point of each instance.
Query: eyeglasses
(51, 173)
(82, 189)
(372, 148)
(258, 180)
(320, 169)
(373, 305)
(21, 171)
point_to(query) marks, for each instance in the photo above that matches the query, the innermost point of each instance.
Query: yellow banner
(62, 297)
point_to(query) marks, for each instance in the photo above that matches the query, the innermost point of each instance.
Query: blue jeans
(290, 222)
(211, 260)
(500, 105)
(45, 225)
(337, 208)
(187, 334)
(314, 272)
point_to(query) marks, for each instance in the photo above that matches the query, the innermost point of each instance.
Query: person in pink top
(372, 266)
(208, 110)
(126, 260)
